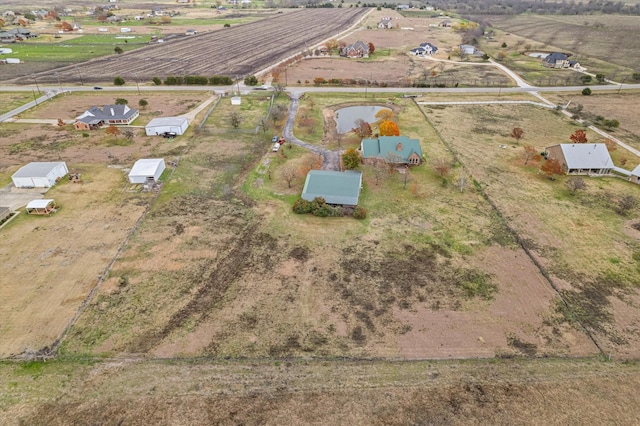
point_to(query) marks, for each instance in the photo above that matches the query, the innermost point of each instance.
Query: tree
(517, 133)
(372, 48)
(351, 159)
(441, 166)
(626, 204)
(251, 80)
(385, 114)
(586, 91)
(579, 136)
(611, 124)
(362, 129)
(121, 101)
(157, 81)
(332, 45)
(600, 78)
(551, 168)
(235, 119)
(586, 78)
(142, 103)
(113, 131)
(128, 134)
(389, 128)
(118, 50)
(529, 153)
(279, 89)
(611, 145)
(576, 183)
(118, 81)
(278, 112)
(288, 172)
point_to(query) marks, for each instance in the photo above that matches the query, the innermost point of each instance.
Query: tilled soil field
(238, 51)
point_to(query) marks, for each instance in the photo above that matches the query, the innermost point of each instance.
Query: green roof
(334, 187)
(380, 147)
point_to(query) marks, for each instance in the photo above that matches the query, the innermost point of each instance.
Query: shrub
(227, 25)
(157, 81)
(317, 203)
(121, 101)
(322, 211)
(586, 91)
(118, 81)
(251, 80)
(301, 206)
(359, 213)
(118, 50)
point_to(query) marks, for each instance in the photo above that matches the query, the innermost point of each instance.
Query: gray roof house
(359, 49)
(425, 49)
(635, 175)
(109, 114)
(558, 60)
(340, 188)
(582, 158)
(397, 149)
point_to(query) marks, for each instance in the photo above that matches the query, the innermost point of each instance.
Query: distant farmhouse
(95, 117)
(359, 49)
(582, 158)
(559, 60)
(385, 23)
(467, 49)
(16, 34)
(425, 49)
(392, 149)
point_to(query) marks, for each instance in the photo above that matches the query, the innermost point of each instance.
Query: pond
(538, 55)
(346, 117)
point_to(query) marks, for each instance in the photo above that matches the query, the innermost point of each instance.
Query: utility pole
(137, 83)
(36, 81)
(80, 74)
(34, 97)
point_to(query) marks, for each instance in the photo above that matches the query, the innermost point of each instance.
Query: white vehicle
(276, 147)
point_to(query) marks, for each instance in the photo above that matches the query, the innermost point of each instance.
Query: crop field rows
(236, 51)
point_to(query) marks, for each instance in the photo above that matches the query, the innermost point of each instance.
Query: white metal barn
(160, 125)
(146, 169)
(40, 175)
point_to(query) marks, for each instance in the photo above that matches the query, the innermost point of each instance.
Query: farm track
(236, 51)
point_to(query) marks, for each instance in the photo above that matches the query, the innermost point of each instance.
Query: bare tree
(379, 169)
(529, 153)
(279, 89)
(575, 184)
(462, 182)
(128, 134)
(288, 173)
(235, 119)
(278, 112)
(626, 204)
(441, 166)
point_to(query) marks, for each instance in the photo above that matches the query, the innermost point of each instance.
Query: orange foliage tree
(517, 133)
(384, 114)
(389, 128)
(551, 168)
(113, 131)
(579, 136)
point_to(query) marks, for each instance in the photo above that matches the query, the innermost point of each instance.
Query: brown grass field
(224, 307)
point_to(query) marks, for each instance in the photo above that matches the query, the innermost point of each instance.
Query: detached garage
(40, 175)
(146, 170)
(161, 125)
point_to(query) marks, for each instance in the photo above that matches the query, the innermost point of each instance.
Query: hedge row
(216, 80)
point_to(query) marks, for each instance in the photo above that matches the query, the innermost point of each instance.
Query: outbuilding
(146, 170)
(338, 188)
(162, 125)
(40, 174)
(45, 207)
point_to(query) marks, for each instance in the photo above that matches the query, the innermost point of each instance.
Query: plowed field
(237, 51)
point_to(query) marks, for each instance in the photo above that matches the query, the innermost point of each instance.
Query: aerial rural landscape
(296, 212)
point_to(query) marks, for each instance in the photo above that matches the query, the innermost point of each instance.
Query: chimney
(399, 147)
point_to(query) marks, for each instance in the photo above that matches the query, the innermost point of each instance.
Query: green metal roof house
(342, 188)
(403, 149)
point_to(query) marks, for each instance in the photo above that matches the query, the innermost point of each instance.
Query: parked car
(281, 141)
(97, 88)
(276, 147)
(169, 134)
(274, 139)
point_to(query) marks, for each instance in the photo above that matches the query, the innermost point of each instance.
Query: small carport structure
(160, 125)
(44, 207)
(40, 174)
(338, 188)
(146, 170)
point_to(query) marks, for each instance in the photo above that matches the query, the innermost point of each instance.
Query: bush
(322, 211)
(301, 206)
(227, 25)
(359, 213)
(157, 81)
(251, 80)
(121, 101)
(217, 80)
(586, 91)
(118, 81)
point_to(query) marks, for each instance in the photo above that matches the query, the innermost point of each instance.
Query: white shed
(146, 169)
(160, 125)
(40, 175)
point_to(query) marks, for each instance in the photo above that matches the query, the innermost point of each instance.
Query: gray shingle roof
(586, 156)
